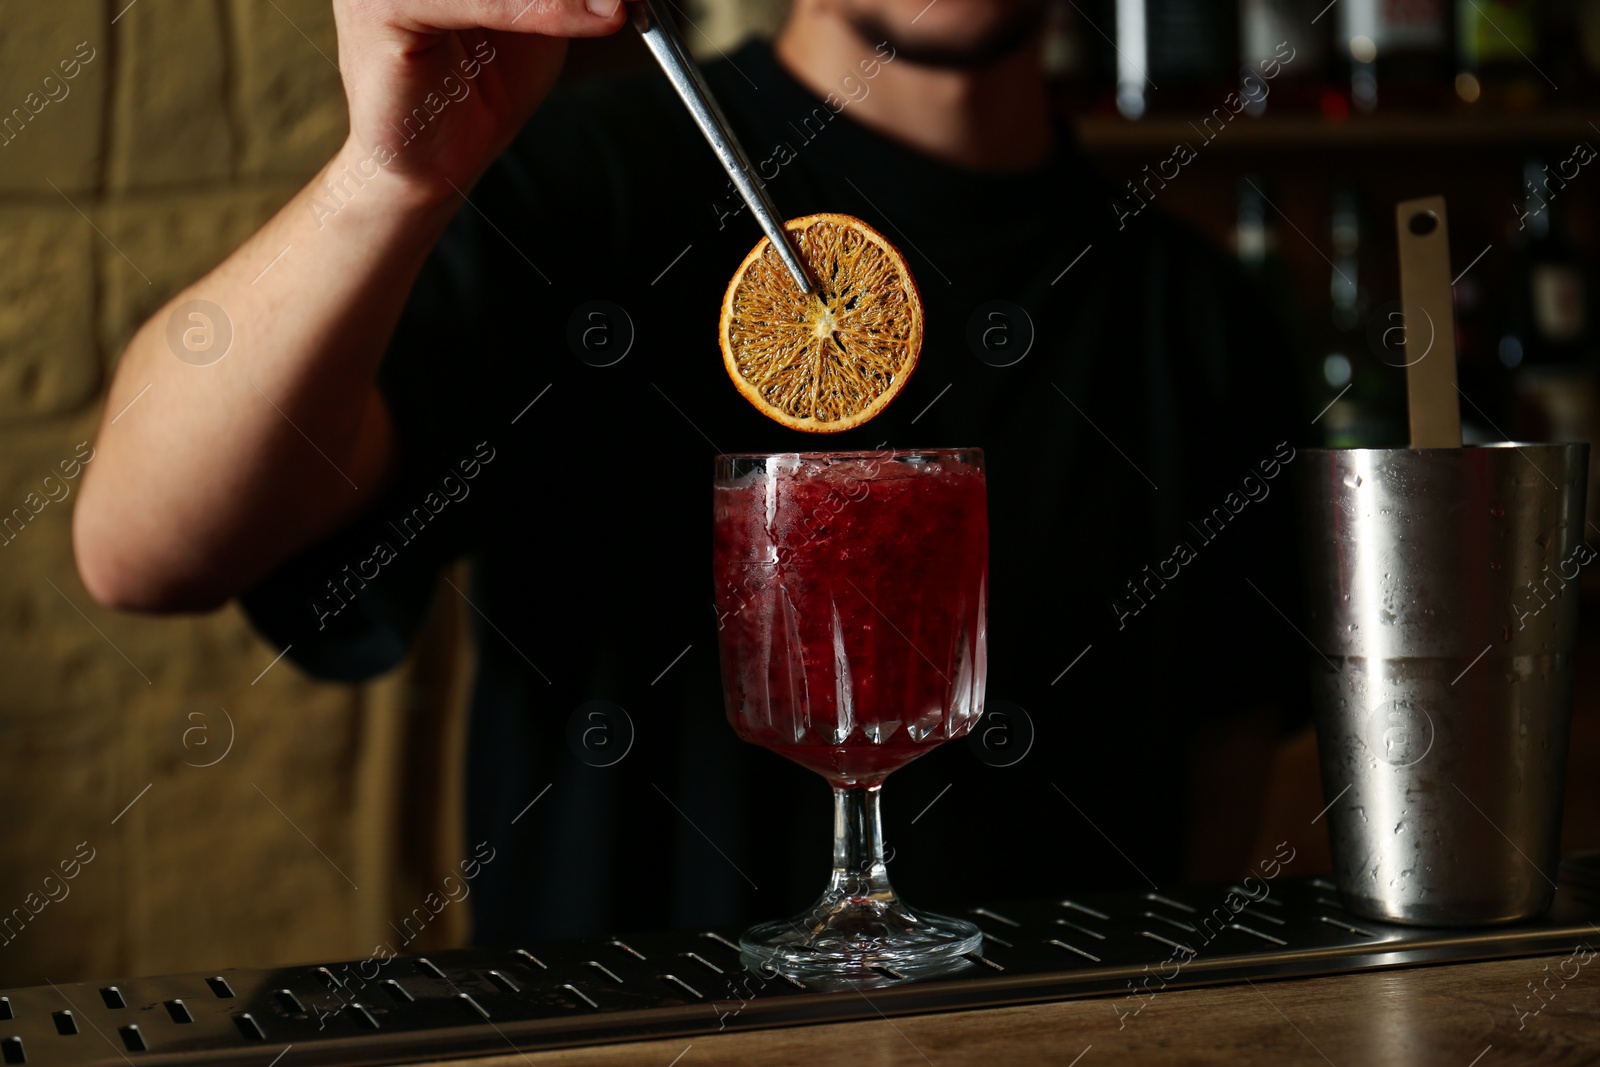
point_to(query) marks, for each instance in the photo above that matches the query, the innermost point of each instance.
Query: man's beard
(986, 51)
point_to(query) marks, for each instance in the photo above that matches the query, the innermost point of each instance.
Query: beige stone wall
(140, 142)
(183, 125)
(719, 25)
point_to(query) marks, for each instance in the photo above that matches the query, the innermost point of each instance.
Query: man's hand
(225, 469)
(444, 85)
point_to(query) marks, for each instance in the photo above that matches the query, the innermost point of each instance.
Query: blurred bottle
(1569, 40)
(1257, 242)
(1074, 59)
(1583, 30)
(1361, 353)
(1497, 54)
(1255, 233)
(1548, 312)
(1281, 46)
(1397, 50)
(1479, 371)
(1187, 47)
(1548, 337)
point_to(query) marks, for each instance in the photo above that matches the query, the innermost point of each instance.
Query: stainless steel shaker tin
(1443, 604)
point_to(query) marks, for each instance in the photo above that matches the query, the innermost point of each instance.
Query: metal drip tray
(477, 1002)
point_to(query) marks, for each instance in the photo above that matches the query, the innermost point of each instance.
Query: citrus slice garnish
(831, 359)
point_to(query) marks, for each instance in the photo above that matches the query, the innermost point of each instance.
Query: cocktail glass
(850, 592)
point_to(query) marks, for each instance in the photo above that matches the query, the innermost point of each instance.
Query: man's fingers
(554, 18)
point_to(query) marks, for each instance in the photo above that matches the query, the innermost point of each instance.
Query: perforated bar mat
(477, 1002)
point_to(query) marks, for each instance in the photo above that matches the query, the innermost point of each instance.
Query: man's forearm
(207, 474)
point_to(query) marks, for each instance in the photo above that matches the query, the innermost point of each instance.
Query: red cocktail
(850, 592)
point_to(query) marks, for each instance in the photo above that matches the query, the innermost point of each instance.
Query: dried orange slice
(833, 359)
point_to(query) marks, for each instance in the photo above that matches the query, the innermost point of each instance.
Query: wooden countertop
(1460, 1015)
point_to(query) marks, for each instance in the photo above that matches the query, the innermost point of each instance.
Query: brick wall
(139, 143)
(173, 129)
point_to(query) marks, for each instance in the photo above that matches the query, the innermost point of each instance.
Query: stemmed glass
(850, 592)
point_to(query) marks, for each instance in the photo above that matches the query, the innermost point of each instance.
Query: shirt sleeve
(457, 367)
(346, 608)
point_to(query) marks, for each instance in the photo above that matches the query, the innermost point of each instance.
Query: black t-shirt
(1137, 497)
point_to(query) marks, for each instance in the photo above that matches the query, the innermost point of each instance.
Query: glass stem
(859, 870)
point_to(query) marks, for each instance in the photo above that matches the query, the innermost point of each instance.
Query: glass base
(852, 940)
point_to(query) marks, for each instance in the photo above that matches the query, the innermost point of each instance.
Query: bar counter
(1463, 1014)
(1272, 970)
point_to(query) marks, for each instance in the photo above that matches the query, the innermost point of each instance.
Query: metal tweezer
(662, 38)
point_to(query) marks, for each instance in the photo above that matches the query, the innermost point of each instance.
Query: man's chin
(1001, 41)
